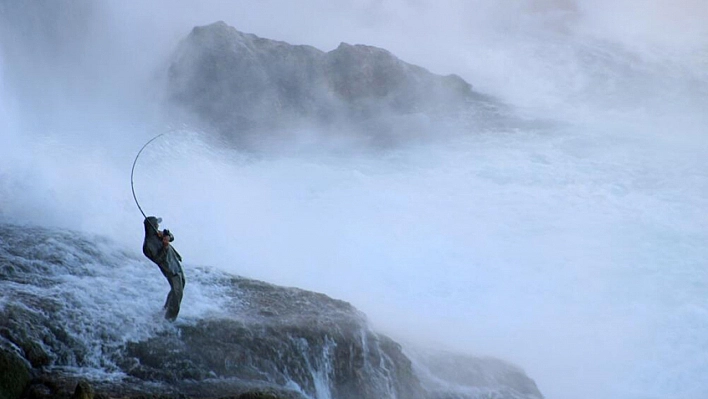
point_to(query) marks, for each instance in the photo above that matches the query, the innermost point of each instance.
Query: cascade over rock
(81, 316)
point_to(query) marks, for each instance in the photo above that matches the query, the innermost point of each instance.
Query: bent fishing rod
(132, 172)
(132, 188)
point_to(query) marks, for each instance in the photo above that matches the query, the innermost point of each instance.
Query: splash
(575, 250)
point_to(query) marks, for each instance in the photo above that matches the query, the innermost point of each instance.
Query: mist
(576, 250)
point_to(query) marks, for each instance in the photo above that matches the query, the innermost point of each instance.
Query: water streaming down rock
(75, 307)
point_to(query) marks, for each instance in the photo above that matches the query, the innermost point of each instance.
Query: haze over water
(576, 249)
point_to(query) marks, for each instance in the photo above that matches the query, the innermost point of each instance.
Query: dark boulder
(286, 337)
(64, 326)
(14, 374)
(241, 85)
(456, 376)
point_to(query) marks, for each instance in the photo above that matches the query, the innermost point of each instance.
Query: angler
(158, 248)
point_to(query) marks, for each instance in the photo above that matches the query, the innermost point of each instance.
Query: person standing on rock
(158, 249)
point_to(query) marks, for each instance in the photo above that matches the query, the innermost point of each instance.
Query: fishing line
(132, 172)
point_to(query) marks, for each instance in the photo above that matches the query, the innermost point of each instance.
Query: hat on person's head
(153, 220)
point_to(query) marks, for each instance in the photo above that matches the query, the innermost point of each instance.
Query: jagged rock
(33, 352)
(39, 391)
(241, 83)
(83, 391)
(74, 296)
(318, 345)
(362, 74)
(472, 377)
(14, 374)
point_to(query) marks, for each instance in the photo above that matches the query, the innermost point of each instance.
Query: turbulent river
(575, 247)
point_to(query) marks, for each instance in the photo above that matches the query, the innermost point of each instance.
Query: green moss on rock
(83, 390)
(14, 375)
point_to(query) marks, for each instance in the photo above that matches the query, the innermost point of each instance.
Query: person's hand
(165, 241)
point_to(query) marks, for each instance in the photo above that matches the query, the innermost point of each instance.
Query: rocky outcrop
(449, 375)
(240, 83)
(284, 337)
(14, 374)
(73, 323)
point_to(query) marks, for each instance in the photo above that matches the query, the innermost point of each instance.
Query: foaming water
(577, 251)
(574, 253)
(102, 295)
(566, 255)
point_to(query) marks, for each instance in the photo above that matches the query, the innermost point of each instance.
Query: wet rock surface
(57, 340)
(14, 374)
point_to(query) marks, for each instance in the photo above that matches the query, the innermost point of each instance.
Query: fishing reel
(167, 233)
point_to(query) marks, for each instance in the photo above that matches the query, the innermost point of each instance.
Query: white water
(100, 302)
(578, 252)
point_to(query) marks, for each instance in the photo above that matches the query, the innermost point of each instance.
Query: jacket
(167, 258)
